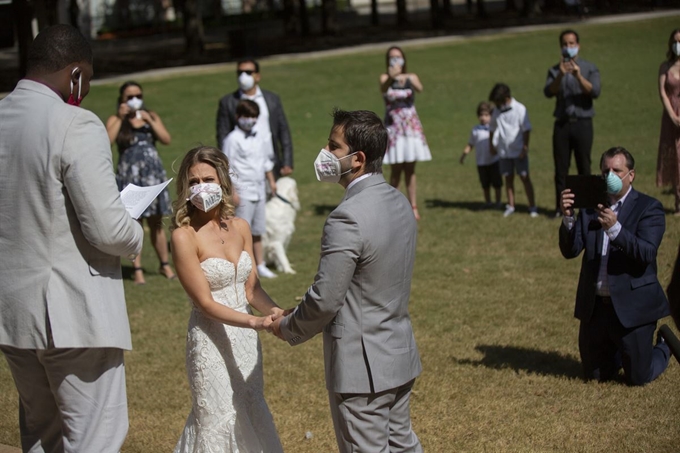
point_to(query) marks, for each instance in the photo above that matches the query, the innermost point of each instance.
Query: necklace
(222, 227)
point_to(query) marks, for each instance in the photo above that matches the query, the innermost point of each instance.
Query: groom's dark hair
(363, 131)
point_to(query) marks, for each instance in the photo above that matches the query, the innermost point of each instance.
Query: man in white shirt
(272, 120)
(510, 129)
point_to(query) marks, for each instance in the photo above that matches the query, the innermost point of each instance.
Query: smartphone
(565, 56)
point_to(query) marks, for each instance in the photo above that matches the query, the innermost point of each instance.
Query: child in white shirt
(487, 164)
(510, 128)
(252, 162)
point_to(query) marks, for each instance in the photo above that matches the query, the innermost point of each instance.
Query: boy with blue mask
(251, 159)
(487, 164)
(619, 299)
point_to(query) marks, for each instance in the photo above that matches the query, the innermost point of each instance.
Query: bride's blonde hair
(215, 158)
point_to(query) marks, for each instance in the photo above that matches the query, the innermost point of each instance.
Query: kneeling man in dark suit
(619, 299)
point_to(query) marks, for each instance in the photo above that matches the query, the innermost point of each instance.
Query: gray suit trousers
(374, 422)
(70, 400)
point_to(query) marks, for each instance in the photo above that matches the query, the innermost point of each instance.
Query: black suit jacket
(635, 291)
(283, 145)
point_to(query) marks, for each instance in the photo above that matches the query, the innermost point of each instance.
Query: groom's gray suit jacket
(360, 294)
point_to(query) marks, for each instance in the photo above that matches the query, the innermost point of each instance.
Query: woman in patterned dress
(407, 144)
(668, 162)
(135, 130)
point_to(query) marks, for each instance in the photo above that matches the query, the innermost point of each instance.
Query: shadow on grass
(547, 363)
(477, 206)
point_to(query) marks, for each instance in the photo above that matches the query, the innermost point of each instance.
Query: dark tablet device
(589, 191)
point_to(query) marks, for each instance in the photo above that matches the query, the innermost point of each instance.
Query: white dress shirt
(250, 157)
(262, 127)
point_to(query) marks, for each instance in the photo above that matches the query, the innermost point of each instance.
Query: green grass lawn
(492, 300)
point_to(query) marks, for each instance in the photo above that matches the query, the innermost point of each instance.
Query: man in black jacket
(272, 119)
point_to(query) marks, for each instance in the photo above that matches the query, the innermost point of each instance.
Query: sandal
(139, 279)
(162, 270)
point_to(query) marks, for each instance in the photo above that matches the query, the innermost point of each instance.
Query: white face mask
(676, 48)
(327, 167)
(571, 52)
(205, 196)
(246, 124)
(246, 81)
(397, 61)
(135, 103)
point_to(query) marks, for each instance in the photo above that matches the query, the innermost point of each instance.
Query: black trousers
(568, 136)
(606, 346)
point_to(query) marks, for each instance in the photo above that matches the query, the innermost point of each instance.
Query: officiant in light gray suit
(63, 229)
(360, 294)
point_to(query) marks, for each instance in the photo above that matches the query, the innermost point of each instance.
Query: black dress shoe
(667, 336)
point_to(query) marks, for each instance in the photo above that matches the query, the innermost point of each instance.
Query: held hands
(606, 217)
(261, 322)
(567, 203)
(277, 316)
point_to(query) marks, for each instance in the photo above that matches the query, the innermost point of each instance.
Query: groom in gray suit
(360, 295)
(63, 229)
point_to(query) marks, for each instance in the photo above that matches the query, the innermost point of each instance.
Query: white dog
(280, 212)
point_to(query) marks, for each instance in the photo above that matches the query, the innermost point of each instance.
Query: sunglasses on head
(138, 96)
(247, 71)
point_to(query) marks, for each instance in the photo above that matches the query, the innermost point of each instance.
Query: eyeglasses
(247, 71)
(138, 96)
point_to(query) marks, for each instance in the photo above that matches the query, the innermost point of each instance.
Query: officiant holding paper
(619, 299)
(136, 129)
(63, 231)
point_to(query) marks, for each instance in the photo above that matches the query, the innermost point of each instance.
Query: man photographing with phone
(575, 83)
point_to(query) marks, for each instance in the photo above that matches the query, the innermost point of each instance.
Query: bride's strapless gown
(224, 365)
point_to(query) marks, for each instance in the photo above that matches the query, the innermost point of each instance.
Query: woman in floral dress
(407, 144)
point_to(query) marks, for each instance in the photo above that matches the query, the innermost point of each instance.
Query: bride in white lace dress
(213, 256)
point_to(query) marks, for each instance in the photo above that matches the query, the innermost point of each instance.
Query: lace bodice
(224, 366)
(227, 280)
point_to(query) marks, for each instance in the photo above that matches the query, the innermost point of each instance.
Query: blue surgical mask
(614, 183)
(571, 51)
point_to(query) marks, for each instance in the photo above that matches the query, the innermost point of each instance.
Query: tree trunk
(328, 23)
(481, 10)
(401, 12)
(193, 27)
(446, 8)
(304, 18)
(290, 19)
(435, 14)
(23, 14)
(375, 18)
